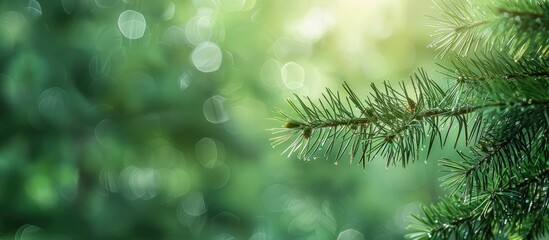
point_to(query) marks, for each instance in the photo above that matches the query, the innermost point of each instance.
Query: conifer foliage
(498, 99)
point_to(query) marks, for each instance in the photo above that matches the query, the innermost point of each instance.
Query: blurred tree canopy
(134, 119)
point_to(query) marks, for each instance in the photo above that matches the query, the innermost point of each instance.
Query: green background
(135, 119)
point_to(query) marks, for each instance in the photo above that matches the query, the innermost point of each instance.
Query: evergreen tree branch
(508, 139)
(535, 228)
(489, 213)
(517, 25)
(494, 67)
(498, 155)
(391, 124)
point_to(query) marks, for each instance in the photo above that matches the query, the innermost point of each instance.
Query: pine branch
(393, 125)
(499, 155)
(510, 137)
(498, 66)
(398, 128)
(501, 209)
(535, 228)
(476, 76)
(520, 26)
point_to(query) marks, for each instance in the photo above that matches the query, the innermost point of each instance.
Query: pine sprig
(489, 214)
(494, 66)
(534, 228)
(390, 123)
(482, 77)
(497, 156)
(510, 136)
(393, 123)
(520, 26)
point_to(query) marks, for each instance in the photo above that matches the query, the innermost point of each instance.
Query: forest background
(134, 119)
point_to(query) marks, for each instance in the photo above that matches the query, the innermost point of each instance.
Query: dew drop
(224, 236)
(107, 3)
(169, 12)
(25, 231)
(199, 29)
(99, 66)
(107, 179)
(221, 175)
(350, 234)
(226, 219)
(107, 41)
(51, 102)
(174, 36)
(132, 24)
(104, 132)
(214, 109)
(260, 236)
(293, 75)
(193, 204)
(141, 182)
(33, 8)
(184, 80)
(270, 73)
(69, 5)
(202, 29)
(207, 57)
(206, 151)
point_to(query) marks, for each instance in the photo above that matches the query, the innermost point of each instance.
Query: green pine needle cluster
(518, 27)
(497, 99)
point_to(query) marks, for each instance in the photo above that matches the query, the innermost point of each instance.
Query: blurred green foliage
(134, 119)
